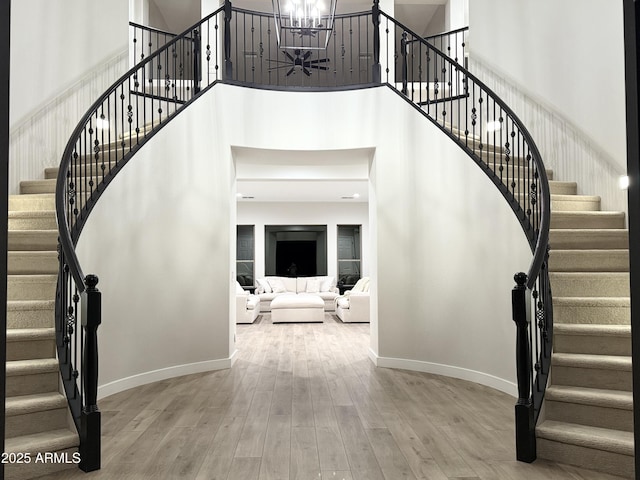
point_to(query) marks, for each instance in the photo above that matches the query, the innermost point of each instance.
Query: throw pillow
(266, 288)
(239, 289)
(326, 285)
(277, 286)
(313, 286)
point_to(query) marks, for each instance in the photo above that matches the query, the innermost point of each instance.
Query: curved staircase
(37, 415)
(588, 417)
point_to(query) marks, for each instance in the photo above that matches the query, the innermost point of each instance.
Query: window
(245, 251)
(349, 259)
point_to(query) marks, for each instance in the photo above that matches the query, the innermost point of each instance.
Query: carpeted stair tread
(601, 362)
(584, 284)
(31, 367)
(39, 201)
(30, 240)
(590, 396)
(589, 260)
(589, 238)
(24, 334)
(29, 305)
(598, 219)
(575, 203)
(590, 437)
(32, 220)
(32, 262)
(25, 404)
(593, 301)
(43, 442)
(31, 287)
(590, 329)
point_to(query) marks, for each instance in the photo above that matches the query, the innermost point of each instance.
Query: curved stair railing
(488, 130)
(237, 46)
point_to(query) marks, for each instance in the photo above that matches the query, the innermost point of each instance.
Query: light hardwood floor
(304, 402)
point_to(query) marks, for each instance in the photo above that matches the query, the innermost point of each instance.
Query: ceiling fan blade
(290, 71)
(319, 60)
(288, 55)
(307, 55)
(306, 72)
(318, 67)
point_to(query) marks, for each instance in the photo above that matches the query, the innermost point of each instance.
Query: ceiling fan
(300, 62)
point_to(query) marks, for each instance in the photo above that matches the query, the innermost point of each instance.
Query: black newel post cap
(520, 278)
(91, 281)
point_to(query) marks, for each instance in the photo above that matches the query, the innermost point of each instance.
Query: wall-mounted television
(295, 250)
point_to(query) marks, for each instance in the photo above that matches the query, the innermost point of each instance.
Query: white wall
(444, 243)
(567, 55)
(309, 213)
(64, 55)
(55, 42)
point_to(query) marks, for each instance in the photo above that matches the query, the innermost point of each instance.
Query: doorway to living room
(294, 212)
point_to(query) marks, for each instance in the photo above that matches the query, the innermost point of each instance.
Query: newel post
(90, 418)
(228, 66)
(525, 427)
(376, 69)
(403, 52)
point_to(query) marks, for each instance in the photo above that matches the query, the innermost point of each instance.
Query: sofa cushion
(313, 285)
(240, 290)
(327, 284)
(266, 288)
(276, 285)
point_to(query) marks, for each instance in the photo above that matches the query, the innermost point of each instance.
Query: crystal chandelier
(304, 24)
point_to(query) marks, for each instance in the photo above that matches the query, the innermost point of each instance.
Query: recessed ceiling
(302, 176)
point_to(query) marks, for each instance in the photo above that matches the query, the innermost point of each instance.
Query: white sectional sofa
(269, 288)
(353, 306)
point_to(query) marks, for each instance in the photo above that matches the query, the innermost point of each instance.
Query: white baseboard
(123, 384)
(486, 379)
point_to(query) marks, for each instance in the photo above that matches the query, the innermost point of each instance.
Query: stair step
(90, 166)
(49, 185)
(520, 171)
(593, 339)
(28, 377)
(29, 414)
(589, 260)
(589, 284)
(32, 220)
(32, 263)
(591, 371)
(600, 449)
(575, 203)
(30, 313)
(587, 220)
(43, 201)
(30, 343)
(589, 238)
(23, 240)
(31, 287)
(563, 188)
(592, 310)
(37, 186)
(520, 187)
(63, 442)
(592, 407)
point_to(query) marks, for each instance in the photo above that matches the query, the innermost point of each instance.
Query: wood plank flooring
(304, 402)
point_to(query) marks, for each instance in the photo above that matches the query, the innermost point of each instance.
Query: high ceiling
(311, 176)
